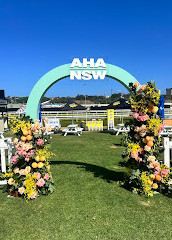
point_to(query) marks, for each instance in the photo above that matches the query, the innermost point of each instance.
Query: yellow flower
(133, 147)
(146, 186)
(154, 125)
(11, 181)
(30, 186)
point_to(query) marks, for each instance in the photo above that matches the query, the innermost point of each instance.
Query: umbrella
(161, 106)
(119, 104)
(72, 106)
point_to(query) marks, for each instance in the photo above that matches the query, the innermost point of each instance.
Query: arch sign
(80, 70)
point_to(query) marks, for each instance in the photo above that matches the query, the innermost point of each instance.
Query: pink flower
(33, 195)
(134, 155)
(135, 115)
(146, 117)
(40, 142)
(143, 118)
(31, 152)
(161, 129)
(47, 176)
(16, 170)
(37, 175)
(164, 172)
(14, 159)
(139, 159)
(40, 182)
(154, 164)
(156, 173)
(22, 172)
(27, 159)
(140, 118)
(157, 169)
(141, 150)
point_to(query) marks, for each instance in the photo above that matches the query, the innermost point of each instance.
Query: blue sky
(38, 35)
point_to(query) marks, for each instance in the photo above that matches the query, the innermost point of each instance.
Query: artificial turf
(88, 203)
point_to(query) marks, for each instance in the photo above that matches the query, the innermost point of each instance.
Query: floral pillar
(143, 143)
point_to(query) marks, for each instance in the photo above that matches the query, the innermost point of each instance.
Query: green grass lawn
(88, 203)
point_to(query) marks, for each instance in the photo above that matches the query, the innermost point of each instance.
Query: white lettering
(87, 70)
(74, 74)
(98, 74)
(100, 63)
(86, 62)
(76, 63)
(86, 75)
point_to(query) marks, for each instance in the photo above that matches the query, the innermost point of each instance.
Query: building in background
(169, 91)
(3, 102)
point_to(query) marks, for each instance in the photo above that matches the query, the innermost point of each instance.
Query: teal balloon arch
(63, 71)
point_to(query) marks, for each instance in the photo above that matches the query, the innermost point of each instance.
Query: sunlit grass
(88, 202)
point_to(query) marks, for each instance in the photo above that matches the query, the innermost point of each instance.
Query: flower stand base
(13, 193)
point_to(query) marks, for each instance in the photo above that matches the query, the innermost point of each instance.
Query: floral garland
(29, 173)
(143, 143)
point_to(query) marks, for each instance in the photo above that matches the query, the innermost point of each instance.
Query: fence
(167, 151)
(98, 114)
(5, 144)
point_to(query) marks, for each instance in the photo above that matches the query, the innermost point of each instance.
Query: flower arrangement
(143, 143)
(29, 172)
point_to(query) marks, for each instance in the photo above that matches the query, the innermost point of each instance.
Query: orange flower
(158, 177)
(150, 143)
(23, 138)
(48, 128)
(136, 84)
(34, 165)
(29, 137)
(36, 121)
(155, 109)
(155, 186)
(152, 177)
(150, 182)
(143, 87)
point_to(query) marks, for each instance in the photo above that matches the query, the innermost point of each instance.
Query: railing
(167, 151)
(98, 114)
